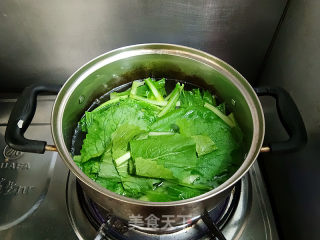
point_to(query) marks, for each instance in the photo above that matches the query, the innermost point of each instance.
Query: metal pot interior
(156, 60)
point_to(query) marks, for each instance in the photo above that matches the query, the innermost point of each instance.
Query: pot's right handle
(290, 118)
(21, 117)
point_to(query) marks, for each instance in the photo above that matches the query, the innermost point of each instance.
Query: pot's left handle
(21, 117)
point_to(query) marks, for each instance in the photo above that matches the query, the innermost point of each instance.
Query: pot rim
(159, 48)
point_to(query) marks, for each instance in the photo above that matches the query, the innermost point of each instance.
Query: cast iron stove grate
(110, 227)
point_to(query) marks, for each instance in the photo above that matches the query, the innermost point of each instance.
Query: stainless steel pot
(157, 60)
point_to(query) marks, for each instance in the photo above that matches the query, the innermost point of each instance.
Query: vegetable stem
(150, 101)
(153, 89)
(116, 94)
(168, 97)
(160, 133)
(219, 114)
(173, 100)
(135, 86)
(232, 118)
(123, 159)
(111, 101)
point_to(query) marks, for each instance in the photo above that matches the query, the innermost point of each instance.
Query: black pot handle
(21, 117)
(290, 118)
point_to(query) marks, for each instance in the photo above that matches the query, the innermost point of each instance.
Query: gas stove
(41, 199)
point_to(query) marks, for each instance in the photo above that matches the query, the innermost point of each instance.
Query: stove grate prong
(214, 230)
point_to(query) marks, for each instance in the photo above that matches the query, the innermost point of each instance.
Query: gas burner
(90, 220)
(117, 228)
